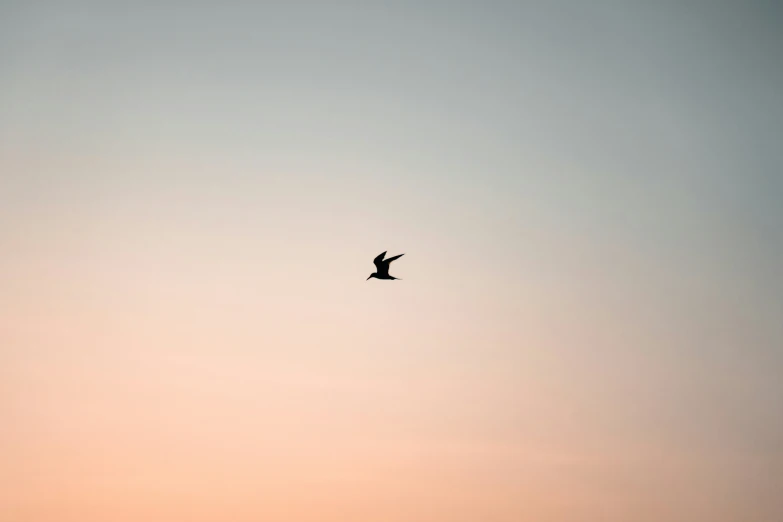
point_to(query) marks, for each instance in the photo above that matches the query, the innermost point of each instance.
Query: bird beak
(368, 278)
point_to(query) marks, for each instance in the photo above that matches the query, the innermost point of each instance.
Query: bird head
(374, 274)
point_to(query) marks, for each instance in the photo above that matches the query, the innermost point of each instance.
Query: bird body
(382, 267)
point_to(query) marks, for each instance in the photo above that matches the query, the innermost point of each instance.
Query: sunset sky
(589, 326)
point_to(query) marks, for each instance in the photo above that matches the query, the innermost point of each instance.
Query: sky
(588, 326)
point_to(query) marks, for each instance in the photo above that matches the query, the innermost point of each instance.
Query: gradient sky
(590, 322)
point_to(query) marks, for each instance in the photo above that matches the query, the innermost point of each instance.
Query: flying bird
(382, 267)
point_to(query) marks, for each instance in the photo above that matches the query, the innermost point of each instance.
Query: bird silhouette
(382, 267)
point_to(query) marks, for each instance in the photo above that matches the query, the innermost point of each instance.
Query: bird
(382, 267)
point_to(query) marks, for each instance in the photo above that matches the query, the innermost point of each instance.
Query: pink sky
(588, 323)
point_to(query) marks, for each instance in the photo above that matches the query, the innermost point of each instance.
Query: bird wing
(379, 262)
(393, 258)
